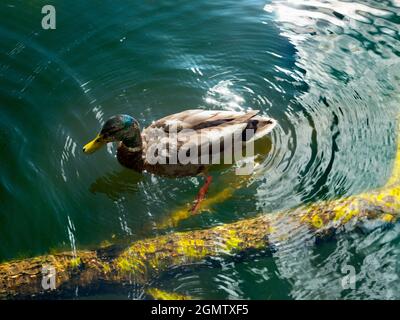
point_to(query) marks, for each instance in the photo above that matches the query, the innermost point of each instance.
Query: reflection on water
(327, 70)
(117, 184)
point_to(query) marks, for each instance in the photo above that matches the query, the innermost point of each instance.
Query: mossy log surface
(145, 259)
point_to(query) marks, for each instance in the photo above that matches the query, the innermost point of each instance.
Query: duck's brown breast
(129, 159)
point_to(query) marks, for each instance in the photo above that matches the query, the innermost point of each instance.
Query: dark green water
(327, 71)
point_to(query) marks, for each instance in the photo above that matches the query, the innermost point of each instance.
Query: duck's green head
(118, 128)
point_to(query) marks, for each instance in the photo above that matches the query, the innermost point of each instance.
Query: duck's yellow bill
(94, 145)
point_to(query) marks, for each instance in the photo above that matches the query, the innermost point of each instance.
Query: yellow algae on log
(159, 294)
(192, 247)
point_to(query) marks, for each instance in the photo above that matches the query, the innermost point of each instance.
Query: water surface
(328, 71)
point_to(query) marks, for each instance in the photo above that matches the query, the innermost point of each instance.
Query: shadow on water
(116, 184)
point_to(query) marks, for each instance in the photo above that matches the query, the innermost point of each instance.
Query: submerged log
(158, 294)
(145, 259)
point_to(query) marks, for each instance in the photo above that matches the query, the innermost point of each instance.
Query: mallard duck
(191, 132)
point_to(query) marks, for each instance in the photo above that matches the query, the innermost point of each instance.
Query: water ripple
(327, 70)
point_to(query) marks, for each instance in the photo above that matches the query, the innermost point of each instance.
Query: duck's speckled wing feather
(201, 129)
(198, 118)
(191, 124)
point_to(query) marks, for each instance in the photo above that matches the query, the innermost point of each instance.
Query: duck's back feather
(199, 129)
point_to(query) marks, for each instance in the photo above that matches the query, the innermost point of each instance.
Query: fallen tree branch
(145, 259)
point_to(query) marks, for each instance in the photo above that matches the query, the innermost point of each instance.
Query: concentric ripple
(328, 71)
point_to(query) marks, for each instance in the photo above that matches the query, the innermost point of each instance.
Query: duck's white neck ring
(135, 149)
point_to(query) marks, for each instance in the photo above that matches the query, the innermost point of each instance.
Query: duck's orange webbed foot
(201, 195)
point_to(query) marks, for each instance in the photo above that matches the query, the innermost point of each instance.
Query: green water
(327, 71)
